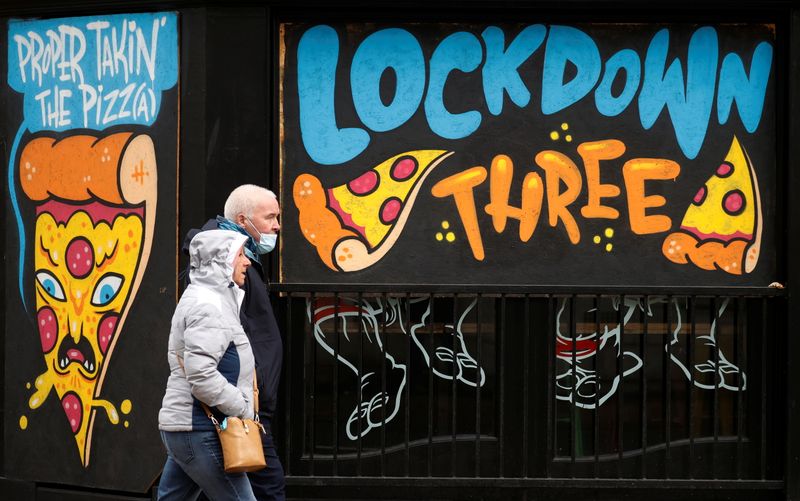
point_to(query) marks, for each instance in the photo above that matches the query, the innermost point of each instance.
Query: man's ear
(240, 220)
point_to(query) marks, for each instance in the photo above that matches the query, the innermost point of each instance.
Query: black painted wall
(228, 136)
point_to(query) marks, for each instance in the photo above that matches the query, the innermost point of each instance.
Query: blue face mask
(266, 242)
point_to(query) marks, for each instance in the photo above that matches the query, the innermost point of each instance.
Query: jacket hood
(211, 256)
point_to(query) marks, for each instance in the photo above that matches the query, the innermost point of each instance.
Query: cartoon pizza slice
(355, 224)
(722, 228)
(95, 201)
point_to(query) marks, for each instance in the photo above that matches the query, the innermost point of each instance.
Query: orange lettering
(558, 167)
(592, 153)
(532, 194)
(499, 186)
(501, 174)
(460, 186)
(635, 173)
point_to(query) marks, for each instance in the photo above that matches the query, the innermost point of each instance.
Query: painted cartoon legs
(352, 333)
(449, 358)
(579, 383)
(363, 340)
(715, 371)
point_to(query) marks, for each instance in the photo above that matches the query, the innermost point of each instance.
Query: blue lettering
(606, 103)
(391, 48)
(460, 51)
(689, 110)
(500, 69)
(568, 44)
(748, 93)
(317, 57)
(688, 96)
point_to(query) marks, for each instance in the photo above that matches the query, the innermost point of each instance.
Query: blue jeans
(268, 484)
(194, 463)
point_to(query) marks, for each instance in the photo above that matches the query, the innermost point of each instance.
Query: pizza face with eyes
(722, 227)
(355, 224)
(95, 201)
(84, 268)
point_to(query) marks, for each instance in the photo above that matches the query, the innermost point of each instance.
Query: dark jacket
(258, 321)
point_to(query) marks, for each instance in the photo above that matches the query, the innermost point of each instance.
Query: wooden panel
(595, 154)
(91, 267)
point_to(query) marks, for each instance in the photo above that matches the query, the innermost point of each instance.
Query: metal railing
(525, 389)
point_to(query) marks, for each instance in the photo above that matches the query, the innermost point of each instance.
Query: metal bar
(645, 318)
(502, 388)
(525, 384)
(335, 401)
(763, 459)
(551, 381)
(620, 396)
(430, 387)
(573, 414)
(384, 341)
(478, 387)
(596, 410)
(454, 405)
(542, 290)
(690, 366)
(407, 329)
(657, 487)
(288, 377)
(738, 352)
(359, 390)
(716, 321)
(312, 393)
(667, 369)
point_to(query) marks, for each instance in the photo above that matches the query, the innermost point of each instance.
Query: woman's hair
(244, 199)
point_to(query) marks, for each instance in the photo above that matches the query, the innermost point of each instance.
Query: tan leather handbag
(241, 439)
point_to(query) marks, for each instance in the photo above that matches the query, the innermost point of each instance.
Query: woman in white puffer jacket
(210, 361)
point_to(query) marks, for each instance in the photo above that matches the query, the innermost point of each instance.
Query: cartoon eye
(106, 289)
(51, 285)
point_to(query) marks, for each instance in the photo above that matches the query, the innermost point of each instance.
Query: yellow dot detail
(609, 232)
(554, 135)
(450, 236)
(125, 424)
(564, 126)
(23, 422)
(125, 406)
(609, 247)
(439, 236)
(596, 239)
(445, 225)
(568, 138)
(28, 386)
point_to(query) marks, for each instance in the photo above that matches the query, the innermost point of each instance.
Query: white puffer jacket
(207, 336)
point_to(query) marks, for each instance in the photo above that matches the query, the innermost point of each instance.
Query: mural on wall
(83, 179)
(91, 242)
(354, 225)
(360, 338)
(547, 154)
(722, 228)
(581, 381)
(589, 366)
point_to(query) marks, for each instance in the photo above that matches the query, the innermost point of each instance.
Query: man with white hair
(254, 211)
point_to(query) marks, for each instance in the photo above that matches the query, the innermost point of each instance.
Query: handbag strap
(208, 409)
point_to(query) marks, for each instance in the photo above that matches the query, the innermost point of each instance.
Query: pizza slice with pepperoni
(722, 227)
(95, 200)
(355, 224)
